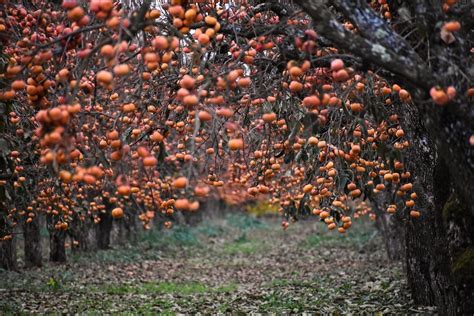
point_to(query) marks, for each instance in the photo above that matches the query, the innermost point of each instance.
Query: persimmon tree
(125, 112)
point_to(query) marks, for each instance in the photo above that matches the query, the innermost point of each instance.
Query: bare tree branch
(407, 68)
(371, 26)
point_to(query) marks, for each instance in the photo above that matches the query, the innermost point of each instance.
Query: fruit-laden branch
(372, 50)
(450, 127)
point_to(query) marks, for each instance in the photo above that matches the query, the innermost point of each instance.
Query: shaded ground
(235, 264)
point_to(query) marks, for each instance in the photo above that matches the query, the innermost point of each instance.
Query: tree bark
(7, 247)
(439, 244)
(391, 227)
(132, 228)
(79, 233)
(33, 248)
(104, 227)
(440, 252)
(57, 246)
(8, 255)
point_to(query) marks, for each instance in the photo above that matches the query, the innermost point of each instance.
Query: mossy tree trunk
(439, 267)
(438, 246)
(440, 252)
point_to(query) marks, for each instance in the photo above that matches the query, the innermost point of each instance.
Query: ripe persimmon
(182, 204)
(104, 77)
(187, 82)
(122, 70)
(439, 96)
(337, 64)
(117, 213)
(269, 117)
(191, 100)
(236, 144)
(210, 20)
(180, 183)
(124, 190)
(311, 101)
(452, 26)
(204, 116)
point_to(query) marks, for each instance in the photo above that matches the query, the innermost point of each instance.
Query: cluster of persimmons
(150, 112)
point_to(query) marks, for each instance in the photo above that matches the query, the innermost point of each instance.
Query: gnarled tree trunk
(440, 253)
(439, 245)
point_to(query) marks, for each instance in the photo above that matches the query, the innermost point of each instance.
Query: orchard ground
(233, 263)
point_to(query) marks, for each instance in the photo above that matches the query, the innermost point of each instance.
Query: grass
(277, 303)
(297, 295)
(211, 229)
(227, 288)
(244, 222)
(157, 288)
(243, 247)
(284, 296)
(179, 236)
(185, 288)
(147, 246)
(7, 308)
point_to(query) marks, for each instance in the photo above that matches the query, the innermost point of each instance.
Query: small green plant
(53, 284)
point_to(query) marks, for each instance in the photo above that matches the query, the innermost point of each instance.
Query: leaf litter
(235, 264)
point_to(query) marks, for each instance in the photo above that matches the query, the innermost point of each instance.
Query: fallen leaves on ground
(233, 264)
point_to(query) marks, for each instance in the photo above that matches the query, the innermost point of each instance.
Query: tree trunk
(131, 227)
(104, 227)
(33, 248)
(57, 246)
(7, 246)
(8, 254)
(120, 230)
(79, 233)
(91, 236)
(439, 244)
(391, 227)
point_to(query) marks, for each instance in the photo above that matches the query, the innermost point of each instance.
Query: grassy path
(234, 264)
